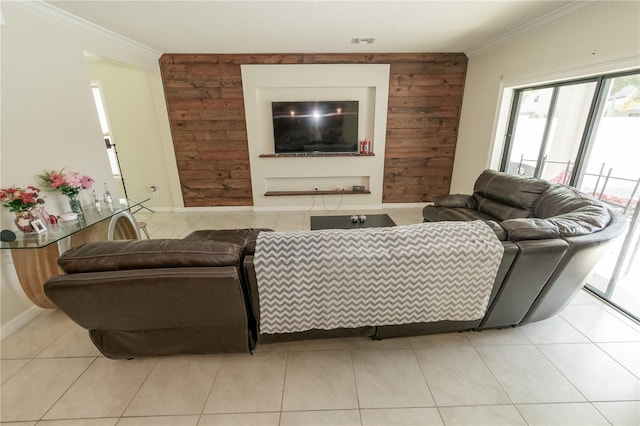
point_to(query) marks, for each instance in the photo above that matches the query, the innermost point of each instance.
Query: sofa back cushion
(519, 194)
(574, 212)
(498, 210)
(148, 254)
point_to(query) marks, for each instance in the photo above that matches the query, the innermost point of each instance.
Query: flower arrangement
(70, 184)
(20, 199)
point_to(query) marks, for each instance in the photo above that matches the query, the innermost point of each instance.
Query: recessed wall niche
(366, 83)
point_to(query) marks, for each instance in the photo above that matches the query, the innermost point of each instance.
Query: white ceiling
(298, 26)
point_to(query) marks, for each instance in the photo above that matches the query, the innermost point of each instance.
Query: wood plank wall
(206, 113)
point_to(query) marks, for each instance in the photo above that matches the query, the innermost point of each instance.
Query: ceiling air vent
(363, 40)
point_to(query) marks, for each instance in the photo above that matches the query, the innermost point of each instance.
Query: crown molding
(47, 10)
(560, 13)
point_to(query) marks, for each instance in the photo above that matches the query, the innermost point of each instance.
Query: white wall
(599, 38)
(48, 116)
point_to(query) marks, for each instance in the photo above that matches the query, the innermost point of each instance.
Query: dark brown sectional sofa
(553, 233)
(200, 295)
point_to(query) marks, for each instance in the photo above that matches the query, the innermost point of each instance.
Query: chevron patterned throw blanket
(329, 279)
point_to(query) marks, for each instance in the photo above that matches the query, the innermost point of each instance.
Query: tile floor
(581, 367)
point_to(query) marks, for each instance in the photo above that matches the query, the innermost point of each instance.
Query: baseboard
(11, 326)
(404, 205)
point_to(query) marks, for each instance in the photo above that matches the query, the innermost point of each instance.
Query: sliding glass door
(587, 134)
(611, 173)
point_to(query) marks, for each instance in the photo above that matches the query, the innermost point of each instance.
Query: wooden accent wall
(206, 112)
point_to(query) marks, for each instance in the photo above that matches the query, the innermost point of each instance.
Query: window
(545, 132)
(106, 133)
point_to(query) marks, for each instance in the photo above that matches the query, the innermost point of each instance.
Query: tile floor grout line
(493, 375)
(424, 377)
(562, 373)
(42, 418)
(614, 359)
(157, 361)
(213, 382)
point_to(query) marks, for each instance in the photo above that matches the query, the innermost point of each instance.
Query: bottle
(96, 202)
(107, 197)
(42, 214)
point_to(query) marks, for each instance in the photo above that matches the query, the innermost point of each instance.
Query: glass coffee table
(344, 222)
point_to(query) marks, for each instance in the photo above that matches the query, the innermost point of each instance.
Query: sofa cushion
(439, 214)
(498, 210)
(148, 254)
(529, 229)
(582, 221)
(560, 199)
(455, 200)
(243, 237)
(504, 188)
(574, 212)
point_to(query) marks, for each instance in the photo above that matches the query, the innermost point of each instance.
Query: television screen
(315, 127)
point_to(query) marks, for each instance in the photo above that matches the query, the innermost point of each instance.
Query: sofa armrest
(529, 229)
(252, 284)
(455, 200)
(146, 299)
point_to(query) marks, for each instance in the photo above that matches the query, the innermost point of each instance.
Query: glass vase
(76, 207)
(24, 219)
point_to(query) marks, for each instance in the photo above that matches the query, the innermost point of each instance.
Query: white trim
(583, 71)
(15, 323)
(405, 205)
(47, 10)
(318, 208)
(560, 13)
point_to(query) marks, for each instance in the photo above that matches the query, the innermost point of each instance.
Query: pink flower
(18, 199)
(86, 182)
(57, 179)
(70, 184)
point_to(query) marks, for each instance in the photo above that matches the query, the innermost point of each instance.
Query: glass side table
(35, 256)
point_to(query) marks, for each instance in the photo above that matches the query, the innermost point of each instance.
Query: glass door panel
(527, 130)
(612, 174)
(546, 132)
(570, 115)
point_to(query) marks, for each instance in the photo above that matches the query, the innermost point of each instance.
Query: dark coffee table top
(344, 222)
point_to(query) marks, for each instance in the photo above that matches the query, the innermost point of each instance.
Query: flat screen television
(315, 127)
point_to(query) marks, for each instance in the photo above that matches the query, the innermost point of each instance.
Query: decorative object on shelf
(96, 203)
(6, 236)
(43, 214)
(38, 226)
(21, 201)
(107, 197)
(365, 147)
(70, 184)
(75, 206)
(24, 219)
